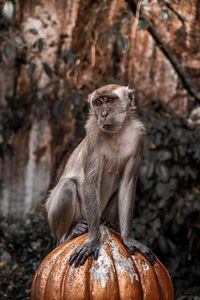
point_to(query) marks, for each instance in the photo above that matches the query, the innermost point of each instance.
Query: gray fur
(99, 179)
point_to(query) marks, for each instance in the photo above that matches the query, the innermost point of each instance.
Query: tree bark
(55, 52)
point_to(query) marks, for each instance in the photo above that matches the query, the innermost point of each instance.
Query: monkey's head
(111, 105)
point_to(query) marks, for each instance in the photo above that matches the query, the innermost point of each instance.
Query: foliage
(168, 205)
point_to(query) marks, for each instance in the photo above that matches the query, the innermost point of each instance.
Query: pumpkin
(116, 274)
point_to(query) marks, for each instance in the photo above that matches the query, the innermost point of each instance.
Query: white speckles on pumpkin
(72, 273)
(122, 263)
(103, 268)
(145, 266)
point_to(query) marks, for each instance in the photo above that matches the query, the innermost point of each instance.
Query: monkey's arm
(90, 192)
(127, 196)
(126, 205)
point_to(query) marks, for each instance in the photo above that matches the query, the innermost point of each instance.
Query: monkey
(98, 184)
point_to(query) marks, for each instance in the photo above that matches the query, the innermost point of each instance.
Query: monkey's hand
(82, 252)
(134, 245)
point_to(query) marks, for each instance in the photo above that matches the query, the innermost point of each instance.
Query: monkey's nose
(104, 113)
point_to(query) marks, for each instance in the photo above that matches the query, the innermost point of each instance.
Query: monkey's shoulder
(76, 158)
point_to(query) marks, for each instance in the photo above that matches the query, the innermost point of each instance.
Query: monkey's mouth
(110, 128)
(107, 127)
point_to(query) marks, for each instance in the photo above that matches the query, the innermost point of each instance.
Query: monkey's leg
(110, 216)
(110, 219)
(126, 197)
(63, 208)
(91, 245)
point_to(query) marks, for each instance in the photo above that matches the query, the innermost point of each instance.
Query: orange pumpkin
(115, 275)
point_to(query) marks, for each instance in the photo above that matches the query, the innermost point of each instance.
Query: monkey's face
(111, 105)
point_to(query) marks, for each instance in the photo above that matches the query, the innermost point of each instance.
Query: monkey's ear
(89, 98)
(131, 96)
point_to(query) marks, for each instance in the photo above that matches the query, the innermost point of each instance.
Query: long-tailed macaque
(99, 181)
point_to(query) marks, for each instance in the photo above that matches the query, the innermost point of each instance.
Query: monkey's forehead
(106, 89)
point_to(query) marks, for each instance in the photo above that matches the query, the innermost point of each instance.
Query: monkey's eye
(97, 102)
(111, 100)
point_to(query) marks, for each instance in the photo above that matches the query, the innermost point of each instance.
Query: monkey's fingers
(147, 253)
(107, 224)
(130, 245)
(74, 255)
(151, 257)
(80, 255)
(96, 253)
(80, 223)
(88, 252)
(132, 250)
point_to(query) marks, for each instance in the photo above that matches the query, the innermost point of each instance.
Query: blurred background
(52, 55)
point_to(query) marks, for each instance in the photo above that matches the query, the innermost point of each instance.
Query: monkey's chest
(109, 179)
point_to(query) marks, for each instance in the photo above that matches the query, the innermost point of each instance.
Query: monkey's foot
(134, 245)
(80, 227)
(107, 224)
(82, 252)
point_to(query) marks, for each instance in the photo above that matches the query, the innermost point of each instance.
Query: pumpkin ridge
(109, 233)
(102, 271)
(41, 269)
(88, 284)
(58, 253)
(117, 245)
(47, 280)
(62, 289)
(148, 277)
(116, 278)
(62, 286)
(76, 241)
(159, 283)
(166, 282)
(138, 273)
(156, 278)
